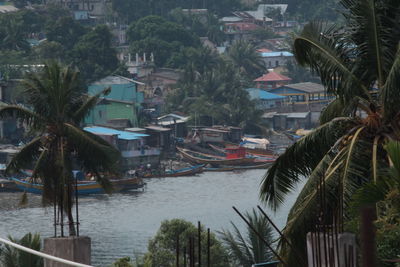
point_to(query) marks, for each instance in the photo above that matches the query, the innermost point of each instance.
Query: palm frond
(94, 153)
(323, 50)
(92, 101)
(334, 109)
(338, 193)
(300, 159)
(28, 154)
(31, 118)
(390, 96)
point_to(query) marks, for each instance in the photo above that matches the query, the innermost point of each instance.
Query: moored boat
(201, 158)
(237, 168)
(7, 185)
(85, 188)
(192, 170)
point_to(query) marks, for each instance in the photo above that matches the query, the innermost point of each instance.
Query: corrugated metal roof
(256, 93)
(308, 87)
(124, 135)
(157, 128)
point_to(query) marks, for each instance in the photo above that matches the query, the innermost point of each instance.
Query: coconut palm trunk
(56, 106)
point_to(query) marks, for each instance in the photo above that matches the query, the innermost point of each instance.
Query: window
(100, 114)
(277, 63)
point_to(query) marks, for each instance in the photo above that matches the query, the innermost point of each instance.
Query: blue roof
(125, 135)
(256, 93)
(277, 54)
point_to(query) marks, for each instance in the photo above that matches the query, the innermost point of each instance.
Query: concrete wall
(72, 248)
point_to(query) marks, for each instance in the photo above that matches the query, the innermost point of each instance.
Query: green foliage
(13, 33)
(346, 153)
(247, 248)
(135, 9)
(94, 55)
(246, 59)
(65, 31)
(156, 35)
(49, 50)
(123, 262)
(388, 243)
(298, 73)
(211, 91)
(12, 257)
(162, 247)
(208, 26)
(306, 10)
(263, 34)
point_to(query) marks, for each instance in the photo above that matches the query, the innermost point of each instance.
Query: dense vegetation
(135, 9)
(359, 63)
(67, 41)
(212, 88)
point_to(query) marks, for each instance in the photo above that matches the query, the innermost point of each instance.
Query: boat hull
(238, 168)
(181, 172)
(85, 188)
(215, 162)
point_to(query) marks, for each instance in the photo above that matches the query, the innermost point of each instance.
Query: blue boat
(85, 188)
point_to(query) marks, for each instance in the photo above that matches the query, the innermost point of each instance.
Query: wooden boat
(189, 171)
(85, 188)
(201, 158)
(237, 168)
(254, 151)
(264, 157)
(7, 185)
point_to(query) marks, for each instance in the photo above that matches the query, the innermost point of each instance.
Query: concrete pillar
(73, 248)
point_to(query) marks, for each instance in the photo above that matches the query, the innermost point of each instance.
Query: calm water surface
(120, 225)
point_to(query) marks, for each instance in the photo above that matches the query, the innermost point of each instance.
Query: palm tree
(12, 257)
(359, 63)
(245, 57)
(249, 249)
(56, 106)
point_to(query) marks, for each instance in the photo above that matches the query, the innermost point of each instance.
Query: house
(258, 17)
(234, 133)
(159, 137)
(271, 80)
(133, 147)
(286, 121)
(156, 86)
(266, 100)
(239, 30)
(121, 103)
(304, 93)
(285, 26)
(212, 135)
(175, 122)
(276, 59)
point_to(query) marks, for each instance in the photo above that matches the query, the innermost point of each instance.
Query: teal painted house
(120, 105)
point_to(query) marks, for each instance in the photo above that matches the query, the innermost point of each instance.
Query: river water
(121, 224)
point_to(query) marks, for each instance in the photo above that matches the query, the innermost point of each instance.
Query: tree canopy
(154, 34)
(162, 247)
